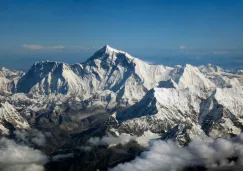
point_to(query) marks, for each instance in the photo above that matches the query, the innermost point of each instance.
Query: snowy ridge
(240, 72)
(210, 68)
(10, 74)
(190, 77)
(8, 80)
(9, 114)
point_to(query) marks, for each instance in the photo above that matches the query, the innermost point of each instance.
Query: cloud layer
(111, 140)
(31, 137)
(162, 155)
(55, 47)
(16, 157)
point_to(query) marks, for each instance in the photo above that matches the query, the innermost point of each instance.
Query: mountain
(222, 112)
(49, 78)
(240, 72)
(9, 116)
(159, 110)
(136, 97)
(220, 78)
(210, 68)
(218, 113)
(108, 69)
(190, 77)
(9, 79)
(114, 96)
(10, 74)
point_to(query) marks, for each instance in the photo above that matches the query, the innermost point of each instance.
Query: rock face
(179, 102)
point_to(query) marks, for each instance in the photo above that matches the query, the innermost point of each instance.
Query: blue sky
(74, 29)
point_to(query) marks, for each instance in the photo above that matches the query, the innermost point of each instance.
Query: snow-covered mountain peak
(189, 76)
(210, 68)
(8, 79)
(107, 69)
(239, 72)
(47, 77)
(50, 63)
(3, 68)
(110, 55)
(109, 49)
(9, 74)
(10, 114)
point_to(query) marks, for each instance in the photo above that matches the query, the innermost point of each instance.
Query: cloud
(221, 52)
(40, 47)
(55, 47)
(111, 140)
(162, 155)
(20, 157)
(30, 137)
(85, 148)
(182, 47)
(32, 47)
(62, 156)
(29, 167)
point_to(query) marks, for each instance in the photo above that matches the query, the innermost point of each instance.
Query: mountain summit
(110, 55)
(112, 70)
(108, 69)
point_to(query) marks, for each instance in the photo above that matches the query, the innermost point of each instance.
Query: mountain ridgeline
(107, 69)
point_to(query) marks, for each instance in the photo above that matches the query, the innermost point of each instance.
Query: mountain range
(117, 93)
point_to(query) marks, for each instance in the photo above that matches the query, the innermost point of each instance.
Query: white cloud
(111, 140)
(33, 47)
(221, 52)
(162, 155)
(55, 47)
(39, 139)
(40, 47)
(32, 136)
(62, 156)
(182, 47)
(29, 167)
(16, 157)
(85, 148)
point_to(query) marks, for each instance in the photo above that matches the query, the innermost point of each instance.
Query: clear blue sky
(79, 27)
